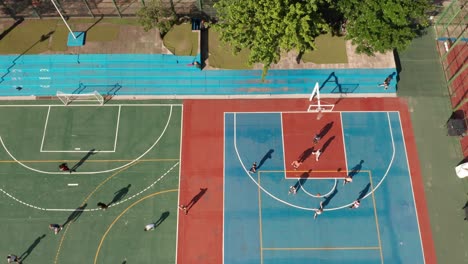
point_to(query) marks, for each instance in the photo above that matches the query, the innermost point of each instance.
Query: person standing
(13, 259)
(319, 211)
(355, 204)
(149, 227)
(55, 227)
(253, 169)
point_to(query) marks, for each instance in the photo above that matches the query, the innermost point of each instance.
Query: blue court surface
(265, 224)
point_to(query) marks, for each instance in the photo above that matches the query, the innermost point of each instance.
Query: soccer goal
(317, 106)
(84, 97)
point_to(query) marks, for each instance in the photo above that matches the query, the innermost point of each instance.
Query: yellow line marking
(121, 214)
(260, 218)
(61, 241)
(106, 180)
(66, 228)
(326, 248)
(88, 161)
(376, 218)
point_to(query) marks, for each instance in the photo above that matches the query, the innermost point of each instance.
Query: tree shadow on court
(364, 192)
(118, 195)
(326, 144)
(306, 154)
(75, 215)
(161, 219)
(196, 198)
(83, 159)
(302, 180)
(356, 169)
(329, 198)
(267, 156)
(325, 129)
(31, 247)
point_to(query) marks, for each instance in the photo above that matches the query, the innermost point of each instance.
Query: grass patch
(180, 40)
(27, 37)
(222, 56)
(330, 49)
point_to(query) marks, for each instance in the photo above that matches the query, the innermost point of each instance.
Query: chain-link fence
(92, 8)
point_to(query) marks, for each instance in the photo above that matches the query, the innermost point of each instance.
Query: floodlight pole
(64, 21)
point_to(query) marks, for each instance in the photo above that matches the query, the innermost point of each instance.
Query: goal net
(93, 97)
(315, 102)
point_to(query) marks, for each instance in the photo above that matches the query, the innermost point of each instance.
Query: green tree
(156, 14)
(269, 27)
(383, 25)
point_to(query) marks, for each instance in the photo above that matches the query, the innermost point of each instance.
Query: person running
(386, 82)
(317, 138)
(292, 190)
(347, 180)
(149, 227)
(296, 164)
(183, 208)
(317, 154)
(253, 169)
(64, 167)
(55, 227)
(102, 206)
(355, 204)
(13, 259)
(319, 211)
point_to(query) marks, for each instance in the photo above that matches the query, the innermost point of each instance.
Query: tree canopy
(156, 14)
(380, 26)
(269, 27)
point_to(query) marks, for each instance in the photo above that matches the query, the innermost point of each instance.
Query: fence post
(116, 7)
(89, 8)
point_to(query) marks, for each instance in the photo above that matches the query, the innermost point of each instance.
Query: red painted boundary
(200, 232)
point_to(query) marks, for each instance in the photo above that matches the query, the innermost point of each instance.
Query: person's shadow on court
(466, 211)
(75, 215)
(31, 247)
(305, 155)
(196, 198)
(325, 129)
(329, 198)
(118, 195)
(161, 219)
(83, 159)
(302, 180)
(327, 143)
(267, 156)
(356, 169)
(364, 192)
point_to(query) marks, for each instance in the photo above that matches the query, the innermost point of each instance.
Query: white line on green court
(95, 209)
(72, 184)
(96, 172)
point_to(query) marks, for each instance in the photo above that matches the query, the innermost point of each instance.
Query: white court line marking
(94, 209)
(316, 196)
(45, 128)
(307, 208)
(93, 172)
(72, 184)
(180, 168)
(117, 129)
(344, 143)
(282, 143)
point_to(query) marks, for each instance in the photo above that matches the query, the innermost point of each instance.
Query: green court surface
(124, 155)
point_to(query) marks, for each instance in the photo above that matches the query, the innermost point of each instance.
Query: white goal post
(84, 97)
(318, 106)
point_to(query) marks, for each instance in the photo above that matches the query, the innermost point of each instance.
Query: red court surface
(298, 135)
(200, 233)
